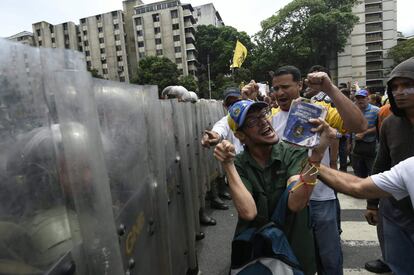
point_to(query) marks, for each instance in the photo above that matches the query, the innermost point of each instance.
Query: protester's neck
(410, 115)
(261, 154)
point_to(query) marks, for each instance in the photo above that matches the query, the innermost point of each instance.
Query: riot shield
(182, 134)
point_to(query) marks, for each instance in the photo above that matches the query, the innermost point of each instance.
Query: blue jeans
(327, 241)
(399, 248)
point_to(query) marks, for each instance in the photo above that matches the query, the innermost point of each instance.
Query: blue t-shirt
(371, 115)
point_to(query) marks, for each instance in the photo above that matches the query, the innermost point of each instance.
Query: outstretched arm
(353, 118)
(351, 185)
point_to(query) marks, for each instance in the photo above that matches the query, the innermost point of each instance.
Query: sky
(244, 15)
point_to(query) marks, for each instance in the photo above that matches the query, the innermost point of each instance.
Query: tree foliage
(402, 51)
(303, 33)
(189, 82)
(217, 44)
(153, 70)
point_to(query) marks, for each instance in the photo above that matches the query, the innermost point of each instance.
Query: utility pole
(208, 72)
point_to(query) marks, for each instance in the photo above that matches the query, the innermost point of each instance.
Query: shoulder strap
(279, 215)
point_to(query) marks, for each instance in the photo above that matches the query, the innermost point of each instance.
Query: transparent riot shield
(178, 229)
(182, 134)
(55, 188)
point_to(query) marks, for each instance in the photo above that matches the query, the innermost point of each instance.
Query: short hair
(319, 68)
(288, 70)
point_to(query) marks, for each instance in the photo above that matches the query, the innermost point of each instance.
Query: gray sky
(244, 15)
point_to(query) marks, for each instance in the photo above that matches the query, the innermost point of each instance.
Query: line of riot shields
(97, 177)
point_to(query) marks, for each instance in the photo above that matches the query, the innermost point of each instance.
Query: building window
(103, 60)
(176, 37)
(86, 43)
(101, 40)
(38, 32)
(174, 14)
(158, 41)
(85, 32)
(80, 48)
(122, 79)
(65, 26)
(87, 53)
(83, 20)
(116, 26)
(140, 44)
(119, 58)
(40, 43)
(139, 33)
(53, 40)
(178, 60)
(159, 52)
(98, 17)
(138, 21)
(157, 30)
(175, 26)
(51, 28)
(117, 37)
(141, 55)
(156, 17)
(88, 64)
(114, 14)
(177, 49)
(102, 50)
(105, 71)
(79, 39)
(118, 48)
(100, 29)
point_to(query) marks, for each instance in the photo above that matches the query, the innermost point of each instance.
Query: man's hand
(327, 135)
(359, 136)
(225, 152)
(250, 91)
(210, 138)
(371, 216)
(319, 81)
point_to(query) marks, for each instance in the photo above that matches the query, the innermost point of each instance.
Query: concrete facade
(24, 37)
(207, 15)
(55, 36)
(166, 29)
(365, 56)
(102, 39)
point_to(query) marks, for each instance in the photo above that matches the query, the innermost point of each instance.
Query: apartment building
(55, 36)
(102, 39)
(365, 57)
(24, 37)
(165, 29)
(207, 15)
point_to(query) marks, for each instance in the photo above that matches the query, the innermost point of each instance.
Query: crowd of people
(374, 132)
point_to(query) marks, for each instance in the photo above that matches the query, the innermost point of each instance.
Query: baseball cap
(231, 91)
(363, 93)
(238, 112)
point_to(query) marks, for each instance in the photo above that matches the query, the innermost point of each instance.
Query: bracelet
(312, 183)
(316, 164)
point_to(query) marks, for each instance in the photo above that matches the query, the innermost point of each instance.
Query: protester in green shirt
(259, 175)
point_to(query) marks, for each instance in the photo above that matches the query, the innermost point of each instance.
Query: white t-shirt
(398, 181)
(321, 192)
(223, 129)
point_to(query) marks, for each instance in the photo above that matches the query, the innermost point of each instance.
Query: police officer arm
(353, 118)
(351, 185)
(299, 198)
(242, 198)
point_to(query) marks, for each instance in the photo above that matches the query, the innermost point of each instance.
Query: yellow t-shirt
(332, 117)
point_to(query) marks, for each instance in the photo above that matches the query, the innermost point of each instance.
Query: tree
(189, 82)
(153, 70)
(95, 74)
(402, 51)
(303, 33)
(216, 45)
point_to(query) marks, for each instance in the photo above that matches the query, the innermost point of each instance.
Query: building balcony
(374, 57)
(373, 19)
(375, 75)
(371, 67)
(373, 9)
(374, 47)
(190, 35)
(372, 1)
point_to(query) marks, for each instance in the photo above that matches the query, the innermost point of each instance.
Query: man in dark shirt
(259, 175)
(397, 144)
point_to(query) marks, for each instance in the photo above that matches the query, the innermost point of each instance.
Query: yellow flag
(240, 54)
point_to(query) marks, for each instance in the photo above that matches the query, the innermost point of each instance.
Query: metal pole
(208, 71)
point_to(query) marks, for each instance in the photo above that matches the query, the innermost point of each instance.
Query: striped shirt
(371, 115)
